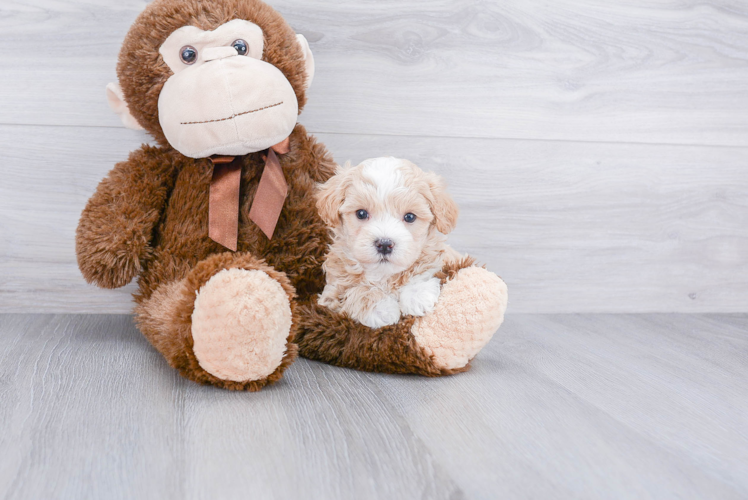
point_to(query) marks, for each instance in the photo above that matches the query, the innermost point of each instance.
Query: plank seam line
(369, 134)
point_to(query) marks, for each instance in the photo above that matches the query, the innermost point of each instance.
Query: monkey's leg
(230, 322)
(470, 309)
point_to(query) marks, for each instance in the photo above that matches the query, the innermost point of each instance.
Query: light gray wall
(599, 153)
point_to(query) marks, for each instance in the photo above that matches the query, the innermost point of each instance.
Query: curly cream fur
(361, 283)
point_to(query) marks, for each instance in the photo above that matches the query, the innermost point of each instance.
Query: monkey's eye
(241, 47)
(409, 217)
(188, 54)
(362, 214)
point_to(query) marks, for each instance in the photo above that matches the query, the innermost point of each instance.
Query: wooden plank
(84, 408)
(559, 406)
(652, 72)
(91, 411)
(664, 376)
(592, 406)
(571, 227)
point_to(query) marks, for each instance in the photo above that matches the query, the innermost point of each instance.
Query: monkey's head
(212, 77)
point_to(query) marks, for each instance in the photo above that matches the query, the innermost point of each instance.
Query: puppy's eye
(409, 217)
(241, 47)
(188, 54)
(362, 214)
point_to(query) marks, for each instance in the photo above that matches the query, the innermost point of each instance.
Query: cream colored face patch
(223, 98)
(226, 35)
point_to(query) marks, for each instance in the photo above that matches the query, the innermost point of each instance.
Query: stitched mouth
(234, 116)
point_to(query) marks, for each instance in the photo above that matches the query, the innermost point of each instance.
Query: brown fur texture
(338, 340)
(149, 217)
(450, 269)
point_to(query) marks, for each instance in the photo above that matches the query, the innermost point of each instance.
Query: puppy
(389, 220)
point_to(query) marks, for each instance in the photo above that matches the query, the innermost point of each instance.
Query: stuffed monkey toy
(217, 220)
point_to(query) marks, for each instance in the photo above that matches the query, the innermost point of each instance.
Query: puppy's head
(386, 211)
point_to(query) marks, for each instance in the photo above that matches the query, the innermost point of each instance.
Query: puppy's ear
(330, 197)
(443, 207)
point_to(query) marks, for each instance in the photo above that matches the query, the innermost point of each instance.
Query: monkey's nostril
(384, 246)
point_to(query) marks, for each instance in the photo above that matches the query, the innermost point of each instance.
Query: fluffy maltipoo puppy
(389, 219)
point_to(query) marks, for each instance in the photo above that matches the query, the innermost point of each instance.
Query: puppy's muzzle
(384, 246)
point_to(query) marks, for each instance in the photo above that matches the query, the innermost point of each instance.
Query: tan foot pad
(240, 325)
(470, 309)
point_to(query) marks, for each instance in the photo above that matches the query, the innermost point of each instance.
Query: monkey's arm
(115, 228)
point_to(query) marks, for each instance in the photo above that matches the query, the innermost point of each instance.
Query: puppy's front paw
(386, 312)
(418, 299)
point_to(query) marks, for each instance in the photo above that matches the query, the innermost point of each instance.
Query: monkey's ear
(116, 100)
(308, 60)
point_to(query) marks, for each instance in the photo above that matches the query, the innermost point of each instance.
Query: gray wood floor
(557, 406)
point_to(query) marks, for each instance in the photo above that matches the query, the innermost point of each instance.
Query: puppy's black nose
(384, 246)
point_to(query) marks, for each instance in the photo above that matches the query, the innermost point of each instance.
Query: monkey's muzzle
(230, 105)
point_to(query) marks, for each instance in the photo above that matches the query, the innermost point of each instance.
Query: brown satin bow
(223, 207)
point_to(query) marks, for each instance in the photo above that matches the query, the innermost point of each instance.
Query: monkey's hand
(114, 233)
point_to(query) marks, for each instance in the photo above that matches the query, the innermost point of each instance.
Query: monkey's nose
(384, 246)
(213, 53)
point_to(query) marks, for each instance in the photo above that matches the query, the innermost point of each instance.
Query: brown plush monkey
(219, 84)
